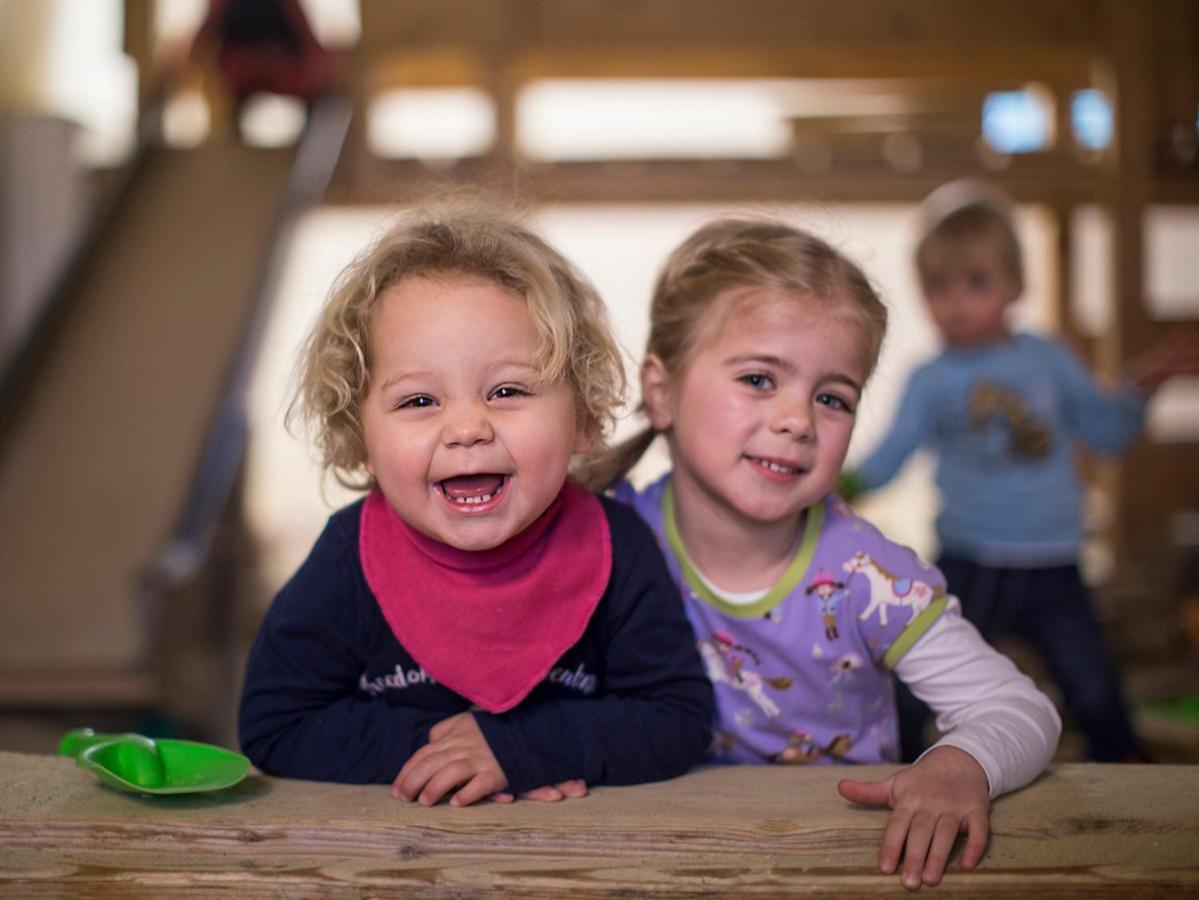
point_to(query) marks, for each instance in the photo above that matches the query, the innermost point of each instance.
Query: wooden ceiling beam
(932, 78)
(1027, 179)
(1051, 40)
(793, 26)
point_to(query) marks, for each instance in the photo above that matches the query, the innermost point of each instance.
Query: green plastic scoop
(142, 765)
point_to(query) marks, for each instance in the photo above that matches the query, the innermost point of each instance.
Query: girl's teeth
(775, 467)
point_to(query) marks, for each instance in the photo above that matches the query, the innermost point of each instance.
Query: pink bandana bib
(489, 625)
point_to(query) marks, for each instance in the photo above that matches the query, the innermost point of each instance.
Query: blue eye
(832, 401)
(759, 380)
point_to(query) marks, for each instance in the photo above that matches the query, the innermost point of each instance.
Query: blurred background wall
(162, 253)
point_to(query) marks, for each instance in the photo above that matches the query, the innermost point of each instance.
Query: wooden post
(139, 46)
(503, 89)
(1126, 193)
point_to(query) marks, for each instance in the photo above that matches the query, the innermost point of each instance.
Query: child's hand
(1175, 354)
(932, 801)
(457, 756)
(551, 793)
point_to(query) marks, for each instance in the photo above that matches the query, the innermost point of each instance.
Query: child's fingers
(445, 779)
(944, 834)
(414, 773)
(502, 797)
(867, 793)
(1182, 344)
(551, 793)
(977, 829)
(1187, 360)
(1179, 359)
(1175, 354)
(575, 788)
(410, 787)
(915, 848)
(547, 794)
(422, 767)
(893, 840)
(475, 789)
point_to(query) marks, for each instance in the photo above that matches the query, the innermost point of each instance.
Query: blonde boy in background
(1004, 412)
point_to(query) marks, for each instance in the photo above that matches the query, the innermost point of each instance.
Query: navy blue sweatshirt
(330, 693)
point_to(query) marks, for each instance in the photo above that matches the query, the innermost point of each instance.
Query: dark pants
(1051, 610)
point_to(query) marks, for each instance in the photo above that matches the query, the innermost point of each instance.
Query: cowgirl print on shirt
(725, 659)
(803, 675)
(829, 591)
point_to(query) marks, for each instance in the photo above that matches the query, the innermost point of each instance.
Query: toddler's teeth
(474, 500)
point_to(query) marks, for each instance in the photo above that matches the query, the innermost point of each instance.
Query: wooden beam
(710, 181)
(1139, 526)
(826, 60)
(794, 26)
(1052, 40)
(138, 43)
(1080, 831)
(458, 63)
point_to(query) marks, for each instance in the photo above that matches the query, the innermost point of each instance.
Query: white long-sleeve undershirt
(983, 704)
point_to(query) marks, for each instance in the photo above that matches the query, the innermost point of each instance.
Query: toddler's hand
(457, 756)
(551, 793)
(932, 801)
(1175, 354)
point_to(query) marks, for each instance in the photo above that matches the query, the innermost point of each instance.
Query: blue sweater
(1003, 421)
(331, 694)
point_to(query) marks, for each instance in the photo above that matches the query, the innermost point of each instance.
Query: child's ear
(584, 440)
(655, 392)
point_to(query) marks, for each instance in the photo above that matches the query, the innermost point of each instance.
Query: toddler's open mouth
(473, 490)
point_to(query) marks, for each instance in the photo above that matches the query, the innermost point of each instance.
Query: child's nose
(794, 420)
(466, 426)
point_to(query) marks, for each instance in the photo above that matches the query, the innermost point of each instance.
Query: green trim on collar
(814, 522)
(915, 630)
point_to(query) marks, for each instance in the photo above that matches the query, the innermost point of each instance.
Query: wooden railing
(1079, 831)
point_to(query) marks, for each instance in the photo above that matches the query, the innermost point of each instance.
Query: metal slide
(103, 446)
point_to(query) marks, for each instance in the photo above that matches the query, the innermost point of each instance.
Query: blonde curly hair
(575, 341)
